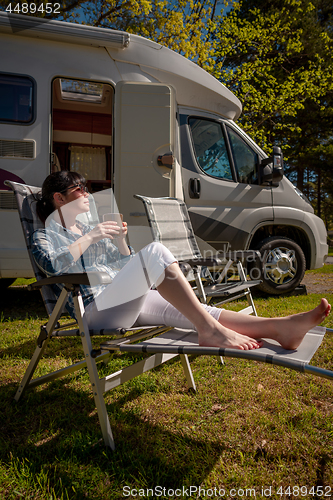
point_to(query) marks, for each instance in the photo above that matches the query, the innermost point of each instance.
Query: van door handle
(194, 188)
(166, 160)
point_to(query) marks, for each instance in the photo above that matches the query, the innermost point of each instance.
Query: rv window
(245, 159)
(210, 148)
(16, 99)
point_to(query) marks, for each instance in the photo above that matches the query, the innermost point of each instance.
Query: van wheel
(281, 267)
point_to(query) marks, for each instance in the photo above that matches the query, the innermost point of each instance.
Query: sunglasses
(77, 187)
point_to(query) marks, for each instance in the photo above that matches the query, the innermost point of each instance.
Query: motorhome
(138, 118)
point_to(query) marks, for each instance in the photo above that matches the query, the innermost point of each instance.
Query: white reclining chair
(170, 224)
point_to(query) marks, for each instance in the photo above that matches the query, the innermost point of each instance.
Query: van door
(145, 128)
(220, 182)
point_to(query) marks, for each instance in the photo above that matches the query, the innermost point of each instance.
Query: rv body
(138, 118)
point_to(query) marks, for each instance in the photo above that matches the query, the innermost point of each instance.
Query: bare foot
(292, 329)
(223, 337)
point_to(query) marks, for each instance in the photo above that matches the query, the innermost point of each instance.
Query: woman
(67, 245)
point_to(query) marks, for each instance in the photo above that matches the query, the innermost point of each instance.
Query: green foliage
(181, 26)
(276, 56)
(268, 60)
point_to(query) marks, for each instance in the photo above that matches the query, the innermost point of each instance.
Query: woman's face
(78, 196)
(75, 199)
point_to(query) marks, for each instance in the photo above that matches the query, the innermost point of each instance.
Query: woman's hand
(124, 230)
(111, 230)
(121, 242)
(107, 229)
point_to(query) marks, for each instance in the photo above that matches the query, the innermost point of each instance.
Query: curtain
(90, 162)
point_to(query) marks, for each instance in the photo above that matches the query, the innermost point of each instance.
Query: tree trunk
(319, 193)
(300, 176)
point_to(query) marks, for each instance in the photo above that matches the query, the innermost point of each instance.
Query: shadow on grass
(55, 429)
(58, 432)
(20, 303)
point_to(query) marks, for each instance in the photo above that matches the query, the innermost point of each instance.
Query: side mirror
(271, 169)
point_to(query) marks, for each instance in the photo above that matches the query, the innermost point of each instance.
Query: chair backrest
(171, 225)
(26, 198)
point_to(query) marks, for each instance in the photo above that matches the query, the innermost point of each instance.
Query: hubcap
(281, 265)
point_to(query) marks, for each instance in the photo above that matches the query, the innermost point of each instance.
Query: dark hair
(57, 182)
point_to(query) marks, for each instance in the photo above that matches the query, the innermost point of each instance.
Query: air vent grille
(17, 149)
(7, 201)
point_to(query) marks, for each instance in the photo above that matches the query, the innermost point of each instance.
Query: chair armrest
(242, 254)
(209, 262)
(185, 267)
(91, 278)
(222, 257)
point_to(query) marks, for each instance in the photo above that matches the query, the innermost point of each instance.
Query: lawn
(251, 430)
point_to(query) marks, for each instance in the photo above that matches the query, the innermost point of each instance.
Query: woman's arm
(121, 241)
(107, 229)
(55, 252)
(51, 254)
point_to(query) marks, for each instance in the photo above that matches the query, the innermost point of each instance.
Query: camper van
(137, 118)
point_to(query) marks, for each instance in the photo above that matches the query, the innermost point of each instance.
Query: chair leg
(221, 360)
(188, 372)
(37, 355)
(248, 294)
(200, 287)
(39, 351)
(92, 370)
(251, 303)
(224, 273)
(124, 375)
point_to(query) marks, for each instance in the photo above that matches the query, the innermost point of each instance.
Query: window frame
(227, 144)
(255, 153)
(34, 100)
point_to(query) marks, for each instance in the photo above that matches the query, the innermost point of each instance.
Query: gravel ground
(319, 283)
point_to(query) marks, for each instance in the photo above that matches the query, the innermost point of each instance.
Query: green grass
(326, 269)
(23, 281)
(248, 426)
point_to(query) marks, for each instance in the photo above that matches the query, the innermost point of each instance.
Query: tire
(281, 267)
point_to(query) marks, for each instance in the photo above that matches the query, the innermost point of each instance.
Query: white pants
(129, 301)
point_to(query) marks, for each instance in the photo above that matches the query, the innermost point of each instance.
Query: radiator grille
(17, 149)
(7, 201)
